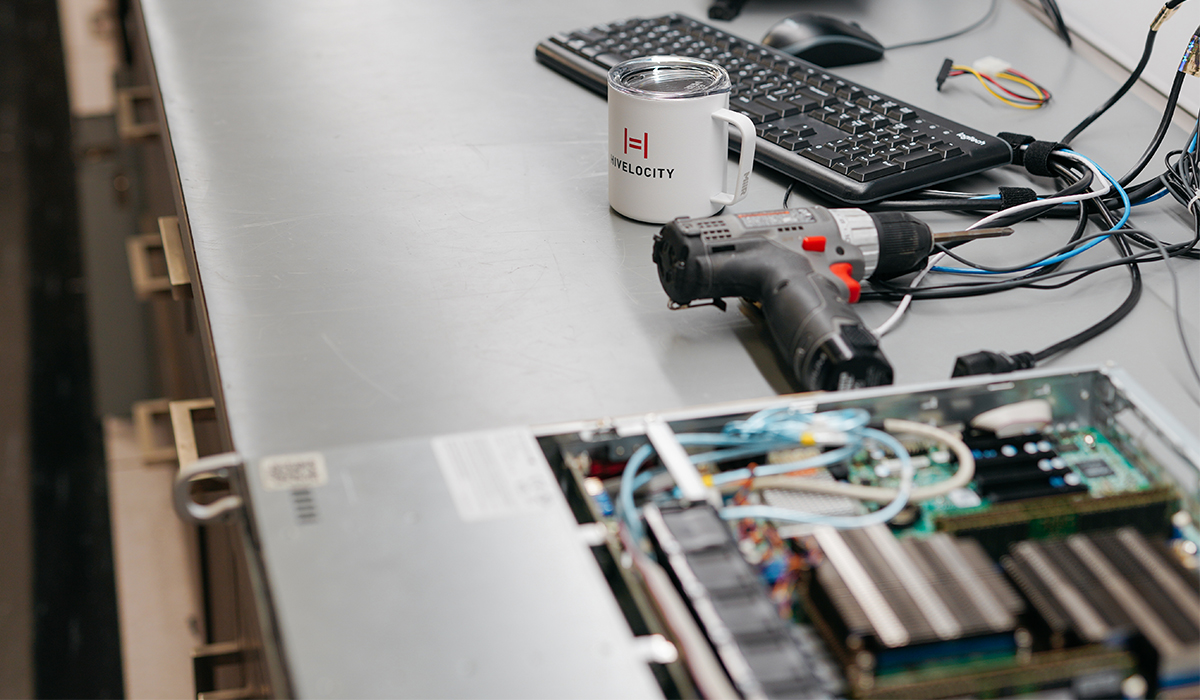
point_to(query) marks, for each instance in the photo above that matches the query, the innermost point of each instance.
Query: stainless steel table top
(401, 228)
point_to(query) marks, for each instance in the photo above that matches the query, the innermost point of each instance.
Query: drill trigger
(843, 271)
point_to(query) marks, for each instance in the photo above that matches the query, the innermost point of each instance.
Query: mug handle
(741, 183)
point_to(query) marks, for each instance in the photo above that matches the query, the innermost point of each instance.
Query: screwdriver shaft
(956, 236)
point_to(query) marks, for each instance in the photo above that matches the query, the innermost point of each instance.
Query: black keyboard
(846, 140)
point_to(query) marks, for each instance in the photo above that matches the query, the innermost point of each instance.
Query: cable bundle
(1086, 193)
(844, 432)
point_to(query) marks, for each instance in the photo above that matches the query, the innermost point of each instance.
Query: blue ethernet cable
(767, 430)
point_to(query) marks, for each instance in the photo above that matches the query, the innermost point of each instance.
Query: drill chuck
(904, 244)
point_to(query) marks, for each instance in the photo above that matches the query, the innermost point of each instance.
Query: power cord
(1163, 15)
(1055, 14)
(971, 27)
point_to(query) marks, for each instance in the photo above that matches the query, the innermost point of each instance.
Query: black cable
(1073, 242)
(975, 25)
(1187, 351)
(886, 291)
(1055, 14)
(1133, 78)
(1182, 175)
(1131, 301)
(889, 291)
(964, 204)
(1163, 125)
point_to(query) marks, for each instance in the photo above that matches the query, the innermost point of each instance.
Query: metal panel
(385, 591)
(394, 200)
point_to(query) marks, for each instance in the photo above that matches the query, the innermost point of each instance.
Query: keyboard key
(917, 159)
(804, 74)
(756, 112)
(839, 120)
(854, 126)
(866, 173)
(947, 150)
(785, 109)
(878, 121)
(793, 142)
(850, 92)
(589, 35)
(773, 135)
(803, 103)
(817, 95)
(823, 155)
(870, 101)
(769, 111)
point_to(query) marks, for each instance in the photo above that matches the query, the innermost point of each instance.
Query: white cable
(893, 320)
(842, 522)
(1097, 176)
(962, 477)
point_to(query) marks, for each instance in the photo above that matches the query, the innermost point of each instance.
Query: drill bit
(970, 235)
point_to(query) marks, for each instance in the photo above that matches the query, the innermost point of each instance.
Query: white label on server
(495, 474)
(296, 471)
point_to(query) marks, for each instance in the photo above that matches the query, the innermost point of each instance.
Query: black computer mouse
(823, 40)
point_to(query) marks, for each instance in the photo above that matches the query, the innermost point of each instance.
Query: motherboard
(1031, 547)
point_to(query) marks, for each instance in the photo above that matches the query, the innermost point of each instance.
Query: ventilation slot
(306, 507)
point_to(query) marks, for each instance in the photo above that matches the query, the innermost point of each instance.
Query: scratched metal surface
(401, 225)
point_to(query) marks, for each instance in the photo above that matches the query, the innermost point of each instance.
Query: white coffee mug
(668, 143)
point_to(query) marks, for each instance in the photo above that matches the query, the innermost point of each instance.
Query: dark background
(56, 531)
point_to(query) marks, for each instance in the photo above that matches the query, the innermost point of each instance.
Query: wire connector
(944, 72)
(1163, 15)
(991, 65)
(1191, 58)
(987, 362)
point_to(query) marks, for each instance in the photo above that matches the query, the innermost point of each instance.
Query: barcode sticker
(495, 474)
(295, 471)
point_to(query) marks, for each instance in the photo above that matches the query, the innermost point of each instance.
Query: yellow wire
(1002, 98)
(1041, 94)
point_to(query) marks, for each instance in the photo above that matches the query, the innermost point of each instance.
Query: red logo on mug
(637, 144)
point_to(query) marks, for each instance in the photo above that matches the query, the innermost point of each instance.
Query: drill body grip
(806, 308)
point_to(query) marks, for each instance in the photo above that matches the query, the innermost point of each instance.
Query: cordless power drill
(804, 266)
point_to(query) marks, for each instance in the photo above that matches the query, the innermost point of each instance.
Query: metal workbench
(398, 229)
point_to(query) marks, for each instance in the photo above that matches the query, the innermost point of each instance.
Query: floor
(16, 577)
(58, 619)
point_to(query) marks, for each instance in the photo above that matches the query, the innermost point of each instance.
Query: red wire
(1045, 94)
(1010, 93)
